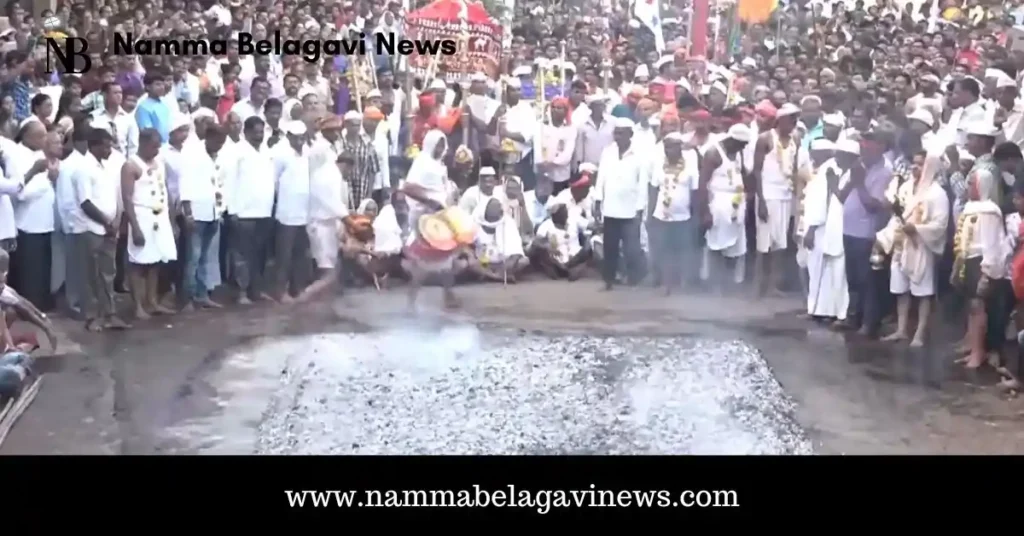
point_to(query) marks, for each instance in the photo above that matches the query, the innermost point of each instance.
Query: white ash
(457, 391)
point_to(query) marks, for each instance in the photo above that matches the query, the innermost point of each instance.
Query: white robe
(913, 268)
(828, 295)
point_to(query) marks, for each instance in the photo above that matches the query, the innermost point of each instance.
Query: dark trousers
(672, 249)
(524, 169)
(865, 304)
(291, 258)
(30, 268)
(624, 231)
(999, 306)
(227, 234)
(95, 255)
(248, 253)
(121, 258)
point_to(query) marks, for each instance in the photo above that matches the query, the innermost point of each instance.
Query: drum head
(436, 232)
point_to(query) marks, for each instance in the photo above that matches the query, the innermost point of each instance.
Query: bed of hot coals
(456, 390)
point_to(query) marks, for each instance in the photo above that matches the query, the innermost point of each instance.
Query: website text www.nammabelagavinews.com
(543, 501)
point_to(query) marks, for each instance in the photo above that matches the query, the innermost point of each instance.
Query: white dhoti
(728, 234)
(159, 235)
(323, 242)
(828, 295)
(922, 286)
(773, 235)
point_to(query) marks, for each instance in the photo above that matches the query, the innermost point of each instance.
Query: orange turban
(372, 112)
(561, 101)
(766, 109)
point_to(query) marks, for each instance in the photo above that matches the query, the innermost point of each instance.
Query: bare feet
(160, 310)
(266, 297)
(188, 308)
(244, 300)
(974, 362)
(115, 322)
(918, 342)
(894, 337)
(93, 325)
(141, 314)
(864, 332)
(287, 299)
(207, 303)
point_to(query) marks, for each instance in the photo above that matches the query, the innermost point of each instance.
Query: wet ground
(533, 368)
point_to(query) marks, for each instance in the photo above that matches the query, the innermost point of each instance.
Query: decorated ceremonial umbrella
(467, 23)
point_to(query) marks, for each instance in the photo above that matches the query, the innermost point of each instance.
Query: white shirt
(538, 211)
(291, 176)
(34, 209)
(673, 201)
(201, 185)
(382, 146)
(622, 185)
(328, 194)
(563, 243)
(245, 109)
(125, 128)
(64, 191)
(9, 186)
(175, 163)
(250, 192)
(522, 120)
(557, 145)
(94, 182)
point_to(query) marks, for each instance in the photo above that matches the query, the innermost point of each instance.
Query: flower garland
(736, 183)
(218, 187)
(782, 156)
(675, 171)
(159, 193)
(965, 227)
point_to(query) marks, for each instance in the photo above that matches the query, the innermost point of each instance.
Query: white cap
(739, 132)
(931, 78)
(569, 66)
(437, 83)
(374, 94)
(749, 62)
(487, 170)
(352, 115)
(204, 112)
(847, 145)
(1005, 81)
(663, 61)
(835, 120)
(982, 128)
(588, 167)
(522, 70)
(641, 70)
(295, 128)
(623, 122)
(823, 144)
(787, 109)
(478, 77)
(923, 116)
(675, 136)
(180, 120)
(513, 82)
(810, 98)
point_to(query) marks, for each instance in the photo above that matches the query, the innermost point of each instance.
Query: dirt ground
(115, 393)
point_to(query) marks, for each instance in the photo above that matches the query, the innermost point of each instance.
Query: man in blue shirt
(152, 112)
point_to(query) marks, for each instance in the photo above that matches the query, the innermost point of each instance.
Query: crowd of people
(866, 155)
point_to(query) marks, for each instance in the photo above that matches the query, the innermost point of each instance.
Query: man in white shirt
(291, 243)
(250, 196)
(560, 249)
(675, 176)
(519, 124)
(119, 122)
(555, 145)
(620, 198)
(64, 247)
(202, 204)
(253, 105)
(34, 217)
(96, 219)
